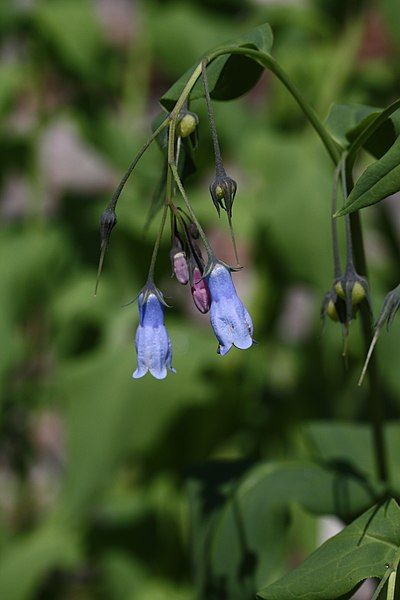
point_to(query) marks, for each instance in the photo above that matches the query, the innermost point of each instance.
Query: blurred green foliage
(97, 470)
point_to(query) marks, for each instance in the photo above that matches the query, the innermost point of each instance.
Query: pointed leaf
(378, 181)
(366, 548)
(229, 76)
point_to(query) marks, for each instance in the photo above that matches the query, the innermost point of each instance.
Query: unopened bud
(331, 311)
(358, 291)
(333, 307)
(200, 292)
(108, 220)
(187, 124)
(223, 191)
(180, 267)
(352, 289)
(179, 263)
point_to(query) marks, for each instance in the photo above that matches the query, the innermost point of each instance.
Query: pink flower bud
(200, 292)
(180, 267)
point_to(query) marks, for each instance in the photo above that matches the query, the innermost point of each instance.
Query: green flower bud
(223, 191)
(353, 289)
(187, 124)
(333, 307)
(358, 291)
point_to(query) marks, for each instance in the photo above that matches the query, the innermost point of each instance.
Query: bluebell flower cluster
(208, 279)
(229, 319)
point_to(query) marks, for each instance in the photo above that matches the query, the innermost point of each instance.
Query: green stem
(113, 202)
(268, 62)
(203, 236)
(150, 276)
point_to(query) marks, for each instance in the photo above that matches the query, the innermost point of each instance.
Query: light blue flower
(230, 320)
(153, 345)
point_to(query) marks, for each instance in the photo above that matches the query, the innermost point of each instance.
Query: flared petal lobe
(153, 346)
(230, 320)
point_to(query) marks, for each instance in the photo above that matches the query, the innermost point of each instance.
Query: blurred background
(94, 465)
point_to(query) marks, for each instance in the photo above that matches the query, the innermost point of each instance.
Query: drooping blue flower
(153, 345)
(230, 320)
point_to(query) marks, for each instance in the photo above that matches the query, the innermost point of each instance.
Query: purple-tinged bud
(200, 291)
(223, 191)
(179, 263)
(180, 267)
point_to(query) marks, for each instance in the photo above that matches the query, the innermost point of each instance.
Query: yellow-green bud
(357, 292)
(219, 193)
(187, 125)
(331, 311)
(339, 290)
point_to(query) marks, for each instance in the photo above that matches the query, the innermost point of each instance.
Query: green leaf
(229, 76)
(347, 121)
(366, 548)
(239, 531)
(343, 118)
(378, 181)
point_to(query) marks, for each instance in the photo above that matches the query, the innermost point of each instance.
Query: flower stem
(150, 276)
(268, 62)
(203, 236)
(219, 168)
(113, 202)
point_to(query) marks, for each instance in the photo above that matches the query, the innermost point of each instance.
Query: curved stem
(113, 202)
(268, 62)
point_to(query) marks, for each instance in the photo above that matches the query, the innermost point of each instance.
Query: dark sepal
(108, 220)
